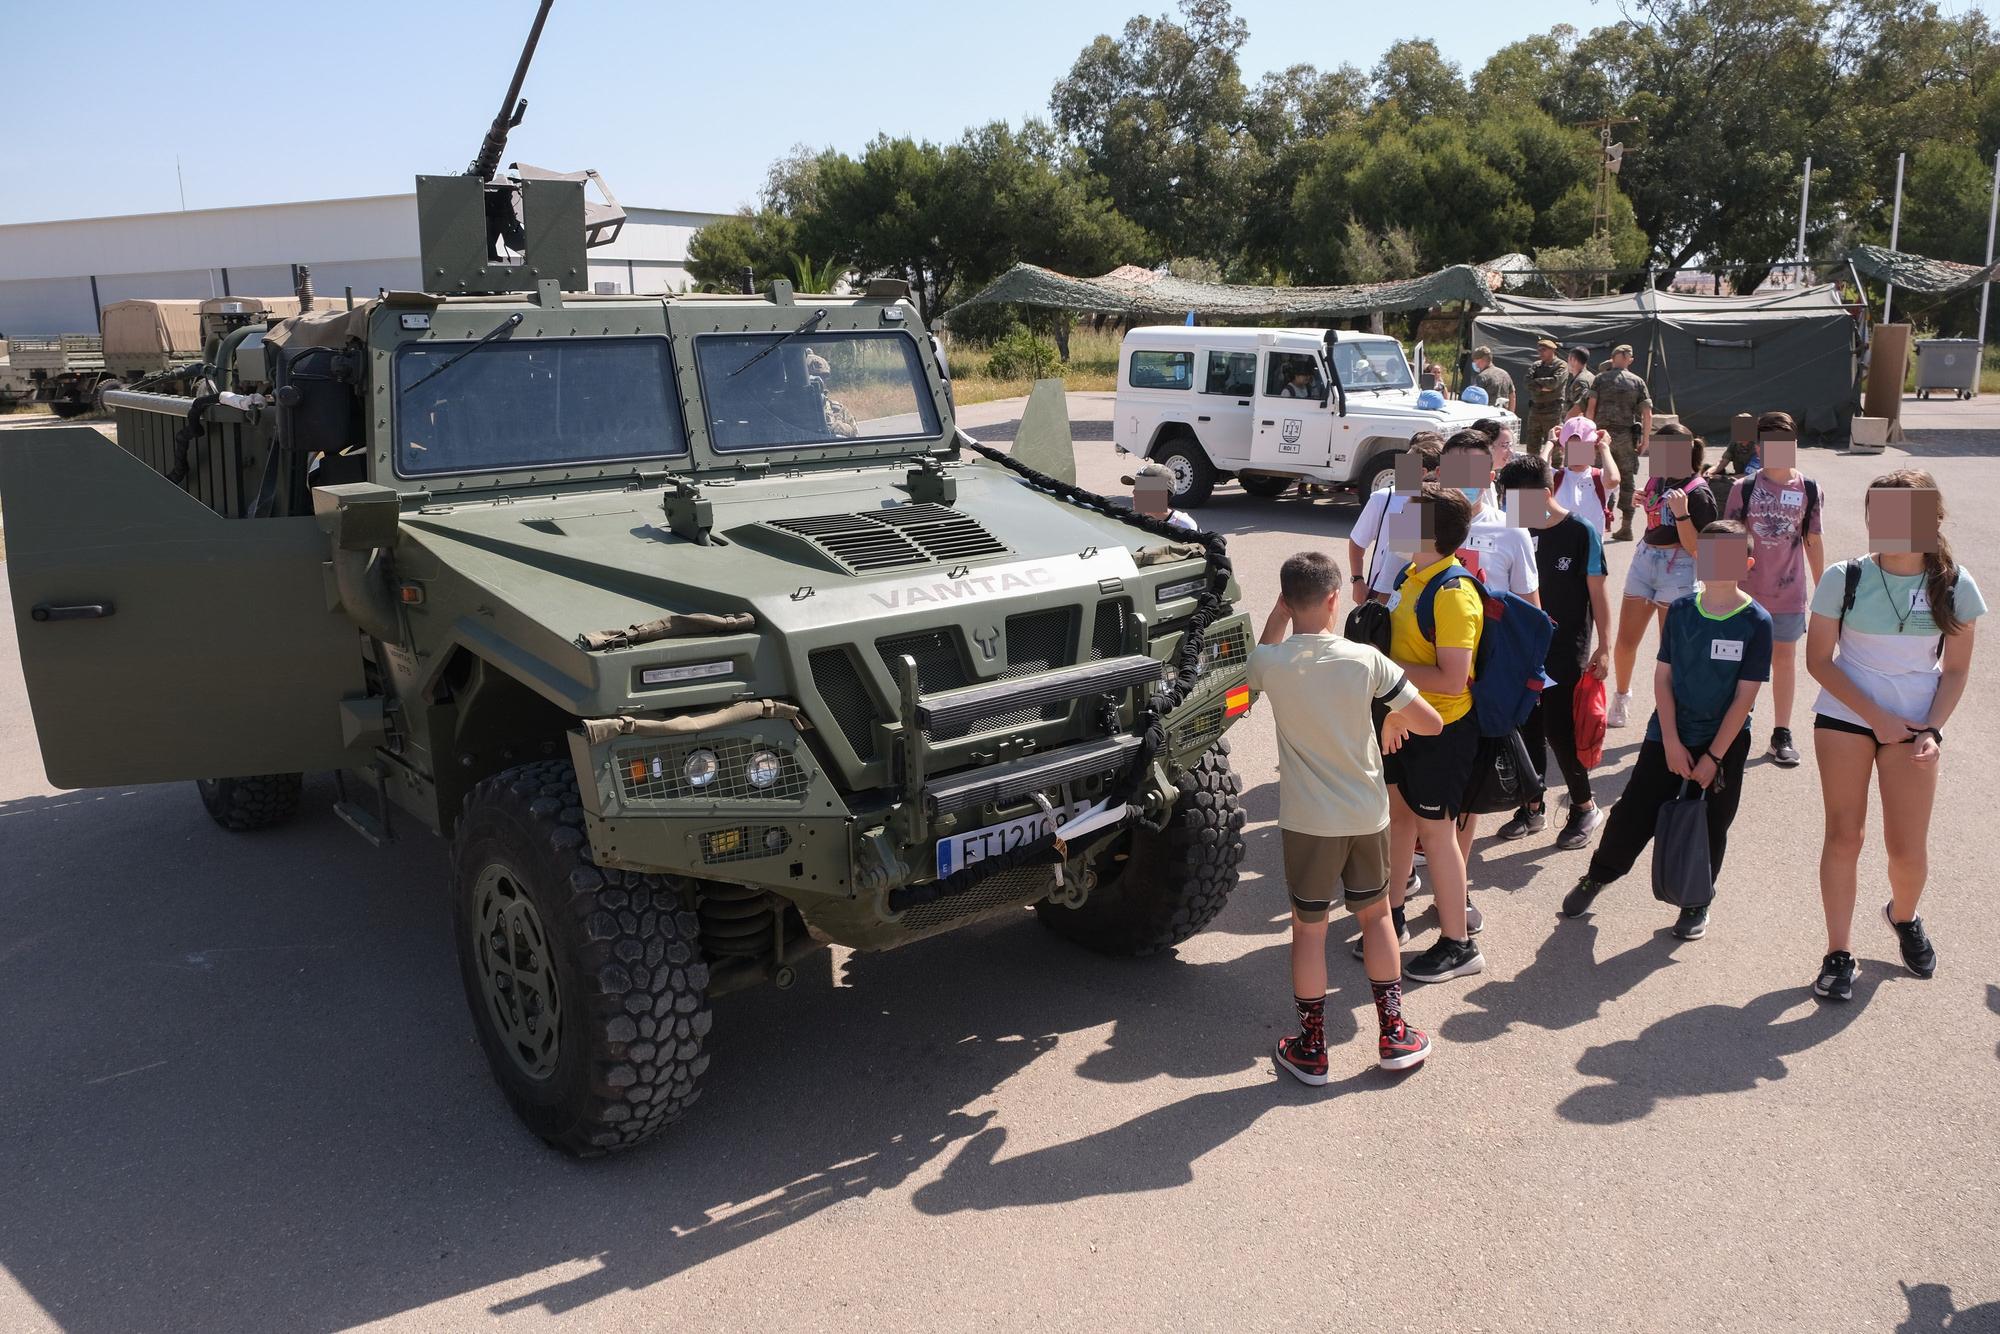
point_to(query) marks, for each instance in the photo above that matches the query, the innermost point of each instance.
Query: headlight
(701, 768)
(763, 769)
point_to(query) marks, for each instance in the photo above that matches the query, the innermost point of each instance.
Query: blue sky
(679, 106)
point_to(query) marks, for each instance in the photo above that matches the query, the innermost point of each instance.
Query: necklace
(1902, 618)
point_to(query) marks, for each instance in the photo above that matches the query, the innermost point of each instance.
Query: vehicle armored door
(1292, 433)
(158, 639)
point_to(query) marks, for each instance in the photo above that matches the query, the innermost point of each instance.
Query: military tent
(1705, 358)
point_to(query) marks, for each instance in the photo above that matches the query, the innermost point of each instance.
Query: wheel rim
(517, 978)
(1183, 472)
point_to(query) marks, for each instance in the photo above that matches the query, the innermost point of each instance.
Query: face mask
(1475, 494)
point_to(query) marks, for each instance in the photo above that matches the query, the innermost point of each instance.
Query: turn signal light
(1236, 702)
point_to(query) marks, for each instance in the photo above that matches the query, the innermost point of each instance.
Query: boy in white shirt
(1374, 573)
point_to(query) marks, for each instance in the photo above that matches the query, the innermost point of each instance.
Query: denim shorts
(1660, 574)
(1788, 627)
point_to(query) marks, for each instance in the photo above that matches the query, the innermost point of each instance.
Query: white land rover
(1273, 406)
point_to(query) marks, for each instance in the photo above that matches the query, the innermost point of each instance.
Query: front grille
(1037, 642)
(1107, 633)
(896, 538)
(1022, 885)
(657, 772)
(1199, 730)
(1229, 648)
(838, 680)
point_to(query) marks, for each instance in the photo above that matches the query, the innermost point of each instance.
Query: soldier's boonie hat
(1483, 351)
(1473, 394)
(1626, 348)
(1549, 343)
(1578, 428)
(1149, 470)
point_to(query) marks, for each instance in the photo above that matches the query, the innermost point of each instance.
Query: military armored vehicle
(694, 623)
(61, 370)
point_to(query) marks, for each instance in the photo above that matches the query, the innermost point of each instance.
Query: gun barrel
(487, 162)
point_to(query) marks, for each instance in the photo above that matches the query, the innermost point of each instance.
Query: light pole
(1895, 230)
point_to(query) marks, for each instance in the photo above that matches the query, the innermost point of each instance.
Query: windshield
(1371, 365)
(534, 403)
(766, 391)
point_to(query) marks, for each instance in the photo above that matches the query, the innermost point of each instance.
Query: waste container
(1948, 364)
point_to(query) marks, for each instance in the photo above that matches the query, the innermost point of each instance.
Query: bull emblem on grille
(988, 641)
(1294, 428)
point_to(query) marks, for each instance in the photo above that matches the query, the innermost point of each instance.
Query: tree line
(1156, 150)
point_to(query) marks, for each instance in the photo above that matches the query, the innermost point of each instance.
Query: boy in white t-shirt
(1374, 572)
(1333, 806)
(1589, 476)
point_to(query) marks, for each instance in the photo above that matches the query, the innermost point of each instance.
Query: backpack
(1805, 516)
(1603, 496)
(1852, 585)
(1507, 676)
(1505, 777)
(1368, 624)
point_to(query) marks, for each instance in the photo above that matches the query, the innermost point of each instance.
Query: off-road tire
(1264, 486)
(625, 953)
(1173, 883)
(261, 801)
(1380, 469)
(1195, 470)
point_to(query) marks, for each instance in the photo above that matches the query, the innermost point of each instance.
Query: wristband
(1711, 756)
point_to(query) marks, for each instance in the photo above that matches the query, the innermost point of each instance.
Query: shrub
(1022, 356)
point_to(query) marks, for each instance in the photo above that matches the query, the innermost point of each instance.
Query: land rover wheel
(258, 802)
(1194, 476)
(587, 984)
(1380, 474)
(70, 407)
(1154, 890)
(1264, 485)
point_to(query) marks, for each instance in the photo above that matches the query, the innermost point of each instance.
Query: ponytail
(1940, 570)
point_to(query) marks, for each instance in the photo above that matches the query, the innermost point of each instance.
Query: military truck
(61, 370)
(694, 623)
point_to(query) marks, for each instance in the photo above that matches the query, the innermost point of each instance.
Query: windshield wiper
(811, 320)
(511, 322)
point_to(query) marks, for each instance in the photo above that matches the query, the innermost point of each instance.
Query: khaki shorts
(1316, 863)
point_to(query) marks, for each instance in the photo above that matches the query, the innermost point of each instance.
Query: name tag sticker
(1920, 599)
(1792, 500)
(1481, 542)
(1725, 650)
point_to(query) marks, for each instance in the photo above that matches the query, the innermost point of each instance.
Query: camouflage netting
(1915, 273)
(1131, 292)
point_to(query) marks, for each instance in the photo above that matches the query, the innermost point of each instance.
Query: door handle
(83, 611)
(1242, 402)
(1201, 419)
(1267, 423)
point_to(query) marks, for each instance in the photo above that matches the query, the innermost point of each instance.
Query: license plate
(962, 850)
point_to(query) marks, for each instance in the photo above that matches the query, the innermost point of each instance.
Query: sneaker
(1919, 955)
(1620, 711)
(1475, 920)
(1577, 902)
(1307, 1068)
(1782, 752)
(1400, 1049)
(1421, 860)
(1692, 923)
(1579, 827)
(1836, 977)
(1444, 960)
(1402, 933)
(1524, 823)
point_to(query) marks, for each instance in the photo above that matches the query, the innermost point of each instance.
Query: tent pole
(1805, 197)
(1986, 288)
(1895, 230)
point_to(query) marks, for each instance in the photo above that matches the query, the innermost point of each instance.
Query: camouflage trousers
(1535, 439)
(1625, 453)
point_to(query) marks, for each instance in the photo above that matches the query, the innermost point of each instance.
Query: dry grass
(1093, 364)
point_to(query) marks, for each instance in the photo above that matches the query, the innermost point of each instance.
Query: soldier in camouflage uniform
(1545, 381)
(1622, 405)
(1576, 389)
(1499, 385)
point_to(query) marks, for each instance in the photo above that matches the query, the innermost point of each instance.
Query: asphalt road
(240, 1089)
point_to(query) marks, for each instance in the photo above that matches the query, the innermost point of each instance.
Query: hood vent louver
(897, 538)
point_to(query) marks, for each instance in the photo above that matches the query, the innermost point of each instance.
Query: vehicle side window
(1293, 375)
(1232, 373)
(1161, 370)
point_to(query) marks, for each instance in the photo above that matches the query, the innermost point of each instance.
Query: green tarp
(1135, 292)
(1915, 273)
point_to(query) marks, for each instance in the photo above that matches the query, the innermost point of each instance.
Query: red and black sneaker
(1308, 1067)
(1402, 1048)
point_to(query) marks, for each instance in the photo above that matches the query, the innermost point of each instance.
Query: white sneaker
(1620, 711)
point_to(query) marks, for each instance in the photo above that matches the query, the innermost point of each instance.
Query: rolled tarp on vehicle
(1705, 358)
(1137, 293)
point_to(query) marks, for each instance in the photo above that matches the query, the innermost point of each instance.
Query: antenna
(1610, 158)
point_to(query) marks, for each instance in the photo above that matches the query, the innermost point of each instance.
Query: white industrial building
(56, 276)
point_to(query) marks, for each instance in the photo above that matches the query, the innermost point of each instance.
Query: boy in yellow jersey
(1428, 776)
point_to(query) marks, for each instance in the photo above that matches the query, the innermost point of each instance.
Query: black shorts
(1825, 722)
(1433, 771)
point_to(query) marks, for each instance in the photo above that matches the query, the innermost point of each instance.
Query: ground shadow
(1564, 985)
(1931, 442)
(1933, 1311)
(1710, 1049)
(242, 1079)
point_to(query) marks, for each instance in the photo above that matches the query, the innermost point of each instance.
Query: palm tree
(808, 277)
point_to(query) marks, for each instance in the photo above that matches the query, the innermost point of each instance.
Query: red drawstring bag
(1588, 712)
